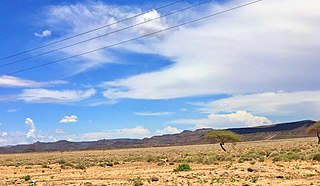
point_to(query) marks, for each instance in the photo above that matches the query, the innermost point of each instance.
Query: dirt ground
(281, 162)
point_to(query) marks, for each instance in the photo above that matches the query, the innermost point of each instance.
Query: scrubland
(280, 162)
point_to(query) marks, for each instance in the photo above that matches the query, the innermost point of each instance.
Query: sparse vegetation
(294, 162)
(26, 178)
(136, 181)
(222, 136)
(316, 157)
(315, 128)
(254, 179)
(182, 167)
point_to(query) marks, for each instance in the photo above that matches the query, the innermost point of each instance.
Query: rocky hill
(266, 132)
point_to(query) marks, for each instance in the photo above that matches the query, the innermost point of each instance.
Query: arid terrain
(278, 162)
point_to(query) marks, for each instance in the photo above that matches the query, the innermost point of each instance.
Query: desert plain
(286, 162)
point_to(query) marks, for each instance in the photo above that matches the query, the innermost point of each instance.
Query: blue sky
(254, 66)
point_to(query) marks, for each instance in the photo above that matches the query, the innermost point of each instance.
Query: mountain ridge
(187, 137)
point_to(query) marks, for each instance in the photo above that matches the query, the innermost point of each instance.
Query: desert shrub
(160, 163)
(254, 179)
(64, 164)
(240, 160)
(294, 149)
(80, 166)
(199, 159)
(218, 180)
(61, 161)
(26, 178)
(316, 157)
(150, 159)
(289, 157)
(136, 181)
(276, 158)
(182, 167)
(246, 158)
(311, 175)
(45, 166)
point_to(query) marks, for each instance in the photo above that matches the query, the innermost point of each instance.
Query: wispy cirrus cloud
(153, 113)
(12, 110)
(72, 19)
(12, 81)
(59, 131)
(55, 96)
(224, 57)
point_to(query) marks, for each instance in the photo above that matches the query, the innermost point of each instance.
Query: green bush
(26, 178)
(254, 179)
(182, 167)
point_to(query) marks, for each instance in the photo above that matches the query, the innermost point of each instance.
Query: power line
(104, 35)
(137, 38)
(89, 31)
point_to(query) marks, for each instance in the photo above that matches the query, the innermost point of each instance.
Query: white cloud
(12, 138)
(217, 121)
(305, 104)
(59, 131)
(55, 96)
(222, 58)
(81, 17)
(12, 110)
(4, 134)
(32, 135)
(99, 102)
(32, 128)
(137, 132)
(153, 24)
(167, 130)
(69, 119)
(153, 113)
(12, 81)
(20, 137)
(44, 33)
(77, 18)
(259, 48)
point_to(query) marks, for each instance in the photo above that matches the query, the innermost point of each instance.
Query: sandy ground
(44, 169)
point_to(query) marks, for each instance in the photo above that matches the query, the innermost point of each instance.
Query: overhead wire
(137, 38)
(106, 34)
(90, 31)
